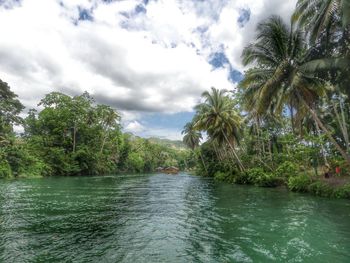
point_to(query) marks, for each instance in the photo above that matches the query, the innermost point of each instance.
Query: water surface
(166, 218)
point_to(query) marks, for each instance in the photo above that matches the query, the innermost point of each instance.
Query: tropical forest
(287, 122)
(175, 131)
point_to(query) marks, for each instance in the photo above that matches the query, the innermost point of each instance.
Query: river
(166, 218)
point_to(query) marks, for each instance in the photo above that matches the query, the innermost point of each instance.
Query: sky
(149, 59)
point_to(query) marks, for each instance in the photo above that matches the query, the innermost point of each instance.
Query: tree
(327, 25)
(108, 119)
(281, 75)
(320, 15)
(192, 139)
(10, 107)
(217, 116)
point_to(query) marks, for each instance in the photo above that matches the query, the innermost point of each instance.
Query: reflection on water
(166, 218)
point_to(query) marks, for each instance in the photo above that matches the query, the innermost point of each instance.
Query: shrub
(37, 168)
(135, 162)
(255, 175)
(258, 177)
(242, 178)
(321, 189)
(342, 192)
(225, 176)
(269, 180)
(5, 170)
(287, 169)
(299, 183)
(220, 176)
(250, 176)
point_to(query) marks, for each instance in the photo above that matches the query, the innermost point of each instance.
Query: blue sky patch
(244, 17)
(220, 60)
(8, 4)
(85, 14)
(140, 9)
(235, 75)
(108, 1)
(171, 121)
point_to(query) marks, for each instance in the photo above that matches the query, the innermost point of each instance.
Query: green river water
(166, 218)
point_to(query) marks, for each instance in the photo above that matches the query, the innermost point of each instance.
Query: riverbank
(333, 187)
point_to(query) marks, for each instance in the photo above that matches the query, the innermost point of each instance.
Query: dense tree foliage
(288, 121)
(74, 136)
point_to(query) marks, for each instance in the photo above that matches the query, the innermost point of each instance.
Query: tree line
(288, 121)
(74, 136)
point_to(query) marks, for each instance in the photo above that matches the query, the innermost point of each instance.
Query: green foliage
(75, 136)
(296, 98)
(269, 180)
(287, 169)
(299, 183)
(220, 176)
(135, 162)
(10, 107)
(320, 188)
(24, 163)
(225, 177)
(5, 169)
(243, 178)
(259, 177)
(254, 176)
(342, 192)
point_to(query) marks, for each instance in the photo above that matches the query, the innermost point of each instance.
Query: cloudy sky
(150, 59)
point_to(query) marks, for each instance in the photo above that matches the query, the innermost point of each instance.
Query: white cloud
(164, 133)
(135, 127)
(147, 62)
(228, 32)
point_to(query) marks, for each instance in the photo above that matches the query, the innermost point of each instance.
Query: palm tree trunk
(329, 135)
(263, 147)
(292, 118)
(240, 165)
(103, 142)
(259, 144)
(205, 167)
(217, 152)
(345, 127)
(342, 126)
(322, 147)
(186, 165)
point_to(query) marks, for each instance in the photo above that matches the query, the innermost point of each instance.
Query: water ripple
(166, 218)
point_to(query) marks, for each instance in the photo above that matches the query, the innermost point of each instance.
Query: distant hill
(169, 143)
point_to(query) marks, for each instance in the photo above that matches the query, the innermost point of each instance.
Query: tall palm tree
(192, 136)
(192, 139)
(283, 74)
(217, 116)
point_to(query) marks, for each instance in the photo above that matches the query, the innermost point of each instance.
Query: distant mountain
(167, 142)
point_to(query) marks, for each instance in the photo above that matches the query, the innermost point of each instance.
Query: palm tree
(283, 74)
(327, 26)
(192, 139)
(217, 116)
(319, 15)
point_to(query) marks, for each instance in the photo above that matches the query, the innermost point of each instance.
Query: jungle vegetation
(288, 121)
(74, 136)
